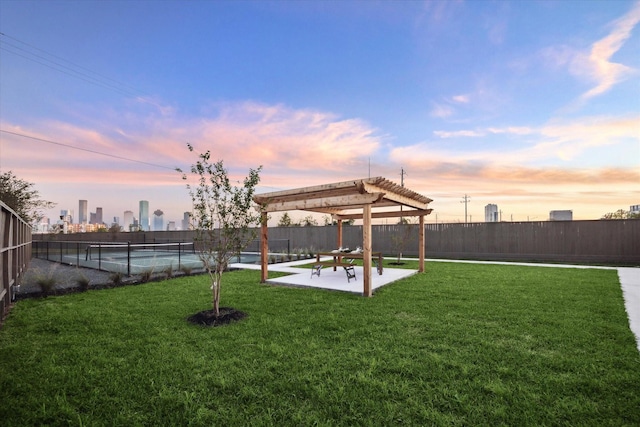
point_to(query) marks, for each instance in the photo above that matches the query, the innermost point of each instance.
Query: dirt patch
(209, 318)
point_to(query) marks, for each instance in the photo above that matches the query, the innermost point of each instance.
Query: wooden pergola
(354, 199)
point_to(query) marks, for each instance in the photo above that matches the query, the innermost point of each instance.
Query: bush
(83, 282)
(116, 278)
(47, 284)
(186, 270)
(145, 276)
(47, 281)
(169, 272)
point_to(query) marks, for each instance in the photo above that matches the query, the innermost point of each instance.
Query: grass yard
(462, 344)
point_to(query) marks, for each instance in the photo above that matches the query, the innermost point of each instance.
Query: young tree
(621, 214)
(285, 220)
(309, 221)
(400, 240)
(20, 196)
(223, 216)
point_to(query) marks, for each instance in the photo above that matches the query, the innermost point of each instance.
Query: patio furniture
(316, 270)
(351, 271)
(339, 256)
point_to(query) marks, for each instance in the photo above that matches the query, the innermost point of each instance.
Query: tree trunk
(215, 290)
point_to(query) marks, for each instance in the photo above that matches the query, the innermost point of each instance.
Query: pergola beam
(335, 202)
(404, 198)
(378, 215)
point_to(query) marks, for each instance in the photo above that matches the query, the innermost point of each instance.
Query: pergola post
(339, 222)
(366, 250)
(421, 242)
(264, 248)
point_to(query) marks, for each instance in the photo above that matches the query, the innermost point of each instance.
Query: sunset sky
(533, 106)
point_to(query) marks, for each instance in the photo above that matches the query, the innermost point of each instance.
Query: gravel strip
(66, 276)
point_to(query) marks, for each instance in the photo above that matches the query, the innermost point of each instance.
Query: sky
(532, 106)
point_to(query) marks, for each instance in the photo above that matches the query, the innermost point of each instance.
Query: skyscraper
(143, 218)
(82, 212)
(128, 220)
(99, 216)
(186, 221)
(158, 220)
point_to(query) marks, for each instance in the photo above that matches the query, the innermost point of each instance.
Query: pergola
(354, 199)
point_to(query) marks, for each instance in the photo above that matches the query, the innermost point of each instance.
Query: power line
(86, 149)
(72, 69)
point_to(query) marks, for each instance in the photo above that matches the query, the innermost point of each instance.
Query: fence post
(128, 258)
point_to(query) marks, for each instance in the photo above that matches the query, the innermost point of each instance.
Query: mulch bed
(209, 318)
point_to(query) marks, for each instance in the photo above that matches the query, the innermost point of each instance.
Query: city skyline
(528, 105)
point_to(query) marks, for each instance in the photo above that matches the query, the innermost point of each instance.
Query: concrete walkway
(630, 283)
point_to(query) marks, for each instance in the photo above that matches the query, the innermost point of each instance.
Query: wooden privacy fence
(15, 253)
(597, 241)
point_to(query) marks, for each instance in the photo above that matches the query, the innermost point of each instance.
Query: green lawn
(462, 344)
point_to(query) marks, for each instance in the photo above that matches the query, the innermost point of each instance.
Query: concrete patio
(329, 279)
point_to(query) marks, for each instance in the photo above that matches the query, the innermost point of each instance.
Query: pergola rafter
(340, 200)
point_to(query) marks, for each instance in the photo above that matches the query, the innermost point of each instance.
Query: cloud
(462, 99)
(244, 135)
(459, 133)
(441, 111)
(597, 64)
(562, 140)
(513, 130)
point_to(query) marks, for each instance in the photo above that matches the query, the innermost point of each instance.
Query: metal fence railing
(115, 257)
(134, 258)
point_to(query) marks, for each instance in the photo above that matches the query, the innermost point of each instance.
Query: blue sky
(534, 106)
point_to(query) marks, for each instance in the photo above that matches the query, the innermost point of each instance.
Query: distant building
(82, 212)
(99, 219)
(491, 213)
(634, 209)
(185, 221)
(171, 226)
(143, 218)
(128, 220)
(560, 215)
(92, 218)
(66, 216)
(158, 220)
(135, 226)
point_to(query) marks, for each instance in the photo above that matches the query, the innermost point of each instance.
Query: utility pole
(402, 174)
(465, 200)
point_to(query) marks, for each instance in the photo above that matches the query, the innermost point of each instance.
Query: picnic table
(339, 256)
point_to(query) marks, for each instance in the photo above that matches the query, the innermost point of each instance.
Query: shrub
(169, 271)
(47, 284)
(47, 281)
(116, 278)
(145, 276)
(186, 270)
(83, 281)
